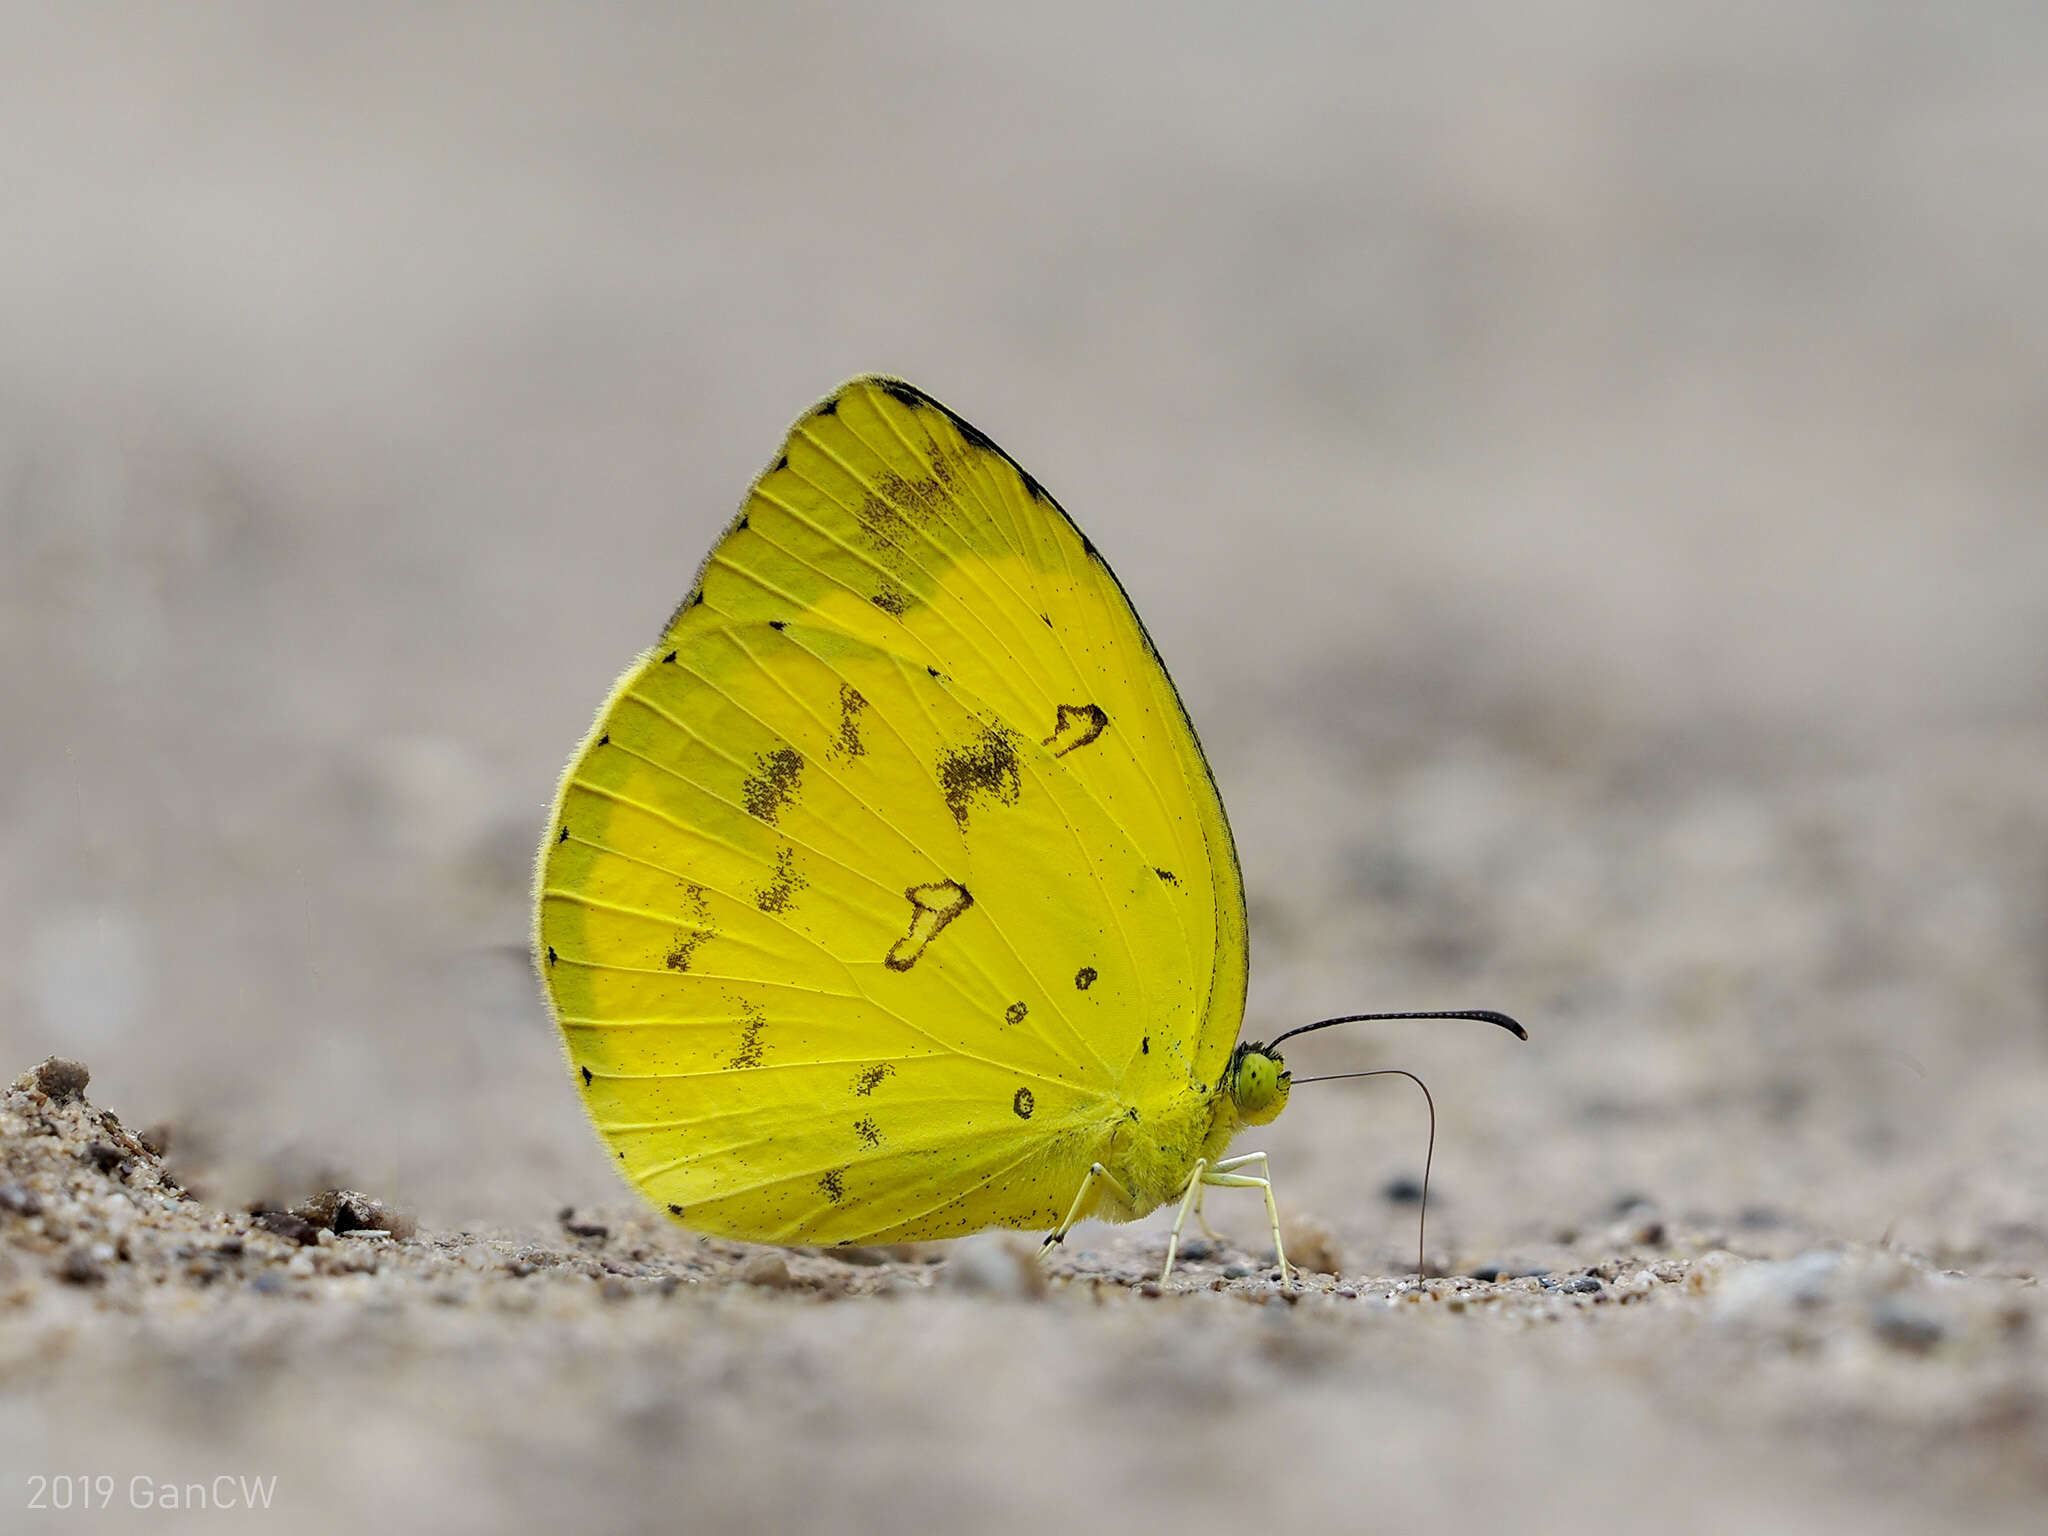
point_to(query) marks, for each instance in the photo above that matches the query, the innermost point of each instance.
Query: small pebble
(768, 1270)
(269, 1283)
(596, 1230)
(22, 1202)
(80, 1268)
(1907, 1326)
(1402, 1190)
(995, 1264)
(60, 1079)
(1236, 1271)
(293, 1229)
(854, 1253)
(1584, 1285)
(1311, 1245)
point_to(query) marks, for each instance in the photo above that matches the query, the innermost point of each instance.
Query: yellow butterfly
(890, 896)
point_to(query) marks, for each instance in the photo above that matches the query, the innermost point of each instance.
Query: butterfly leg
(1207, 1230)
(1081, 1206)
(1223, 1173)
(1180, 1218)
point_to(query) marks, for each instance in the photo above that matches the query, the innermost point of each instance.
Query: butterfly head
(1257, 1081)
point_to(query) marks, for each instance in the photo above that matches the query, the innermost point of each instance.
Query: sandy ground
(1583, 466)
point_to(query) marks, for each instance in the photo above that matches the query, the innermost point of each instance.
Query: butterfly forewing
(892, 877)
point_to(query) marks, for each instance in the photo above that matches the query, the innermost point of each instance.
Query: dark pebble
(1200, 1251)
(849, 1253)
(22, 1202)
(79, 1268)
(1907, 1327)
(343, 1211)
(230, 1248)
(1150, 1288)
(1402, 1190)
(293, 1229)
(592, 1229)
(1235, 1271)
(1634, 1200)
(105, 1156)
(1487, 1272)
(61, 1079)
(612, 1288)
(1758, 1218)
(269, 1283)
(1585, 1285)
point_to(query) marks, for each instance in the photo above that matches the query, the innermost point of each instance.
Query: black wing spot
(586, 1077)
(684, 950)
(1048, 619)
(736, 527)
(932, 906)
(605, 740)
(552, 956)
(901, 393)
(934, 671)
(833, 1184)
(778, 624)
(892, 600)
(869, 1133)
(1075, 725)
(1145, 1045)
(749, 1052)
(782, 886)
(829, 408)
(870, 1079)
(1038, 492)
(781, 463)
(564, 837)
(1088, 547)
(1023, 1104)
(1084, 978)
(1014, 1014)
(985, 766)
(675, 1210)
(1167, 875)
(776, 785)
(671, 656)
(850, 706)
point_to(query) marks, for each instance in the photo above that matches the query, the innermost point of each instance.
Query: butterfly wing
(893, 874)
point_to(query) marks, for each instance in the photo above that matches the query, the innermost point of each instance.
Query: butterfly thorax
(1154, 1151)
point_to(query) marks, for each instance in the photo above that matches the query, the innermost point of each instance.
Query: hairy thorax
(1153, 1148)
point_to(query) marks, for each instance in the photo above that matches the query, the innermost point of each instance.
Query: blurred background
(1583, 463)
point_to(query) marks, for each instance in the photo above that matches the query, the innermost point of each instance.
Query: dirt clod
(61, 1080)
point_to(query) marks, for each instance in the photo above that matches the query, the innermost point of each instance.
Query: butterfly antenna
(1428, 1157)
(1479, 1015)
(1483, 1015)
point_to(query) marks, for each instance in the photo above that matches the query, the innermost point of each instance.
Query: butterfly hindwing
(892, 874)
